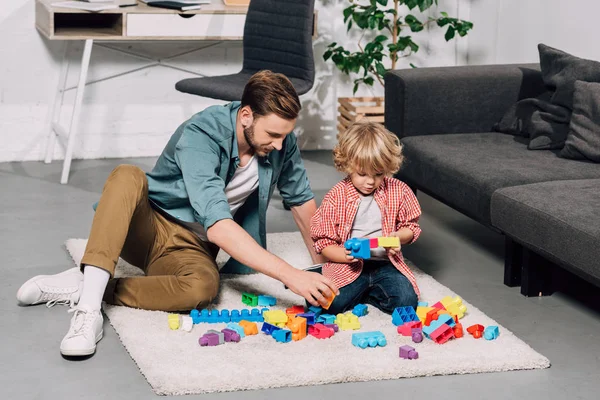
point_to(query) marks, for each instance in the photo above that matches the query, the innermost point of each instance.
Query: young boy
(368, 203)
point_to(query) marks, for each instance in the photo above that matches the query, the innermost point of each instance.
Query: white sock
(94, 285)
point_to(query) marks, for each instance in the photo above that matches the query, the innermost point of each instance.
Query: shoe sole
(82, 352)
(37, 278)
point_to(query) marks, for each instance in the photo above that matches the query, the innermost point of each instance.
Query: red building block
(294, 310)
(458, 330)
(407, 327)
(320, 331)
(476, 330)
(431, 315)
(374, 243)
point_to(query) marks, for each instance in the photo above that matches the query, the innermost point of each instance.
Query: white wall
(134, 115)
(509, 31)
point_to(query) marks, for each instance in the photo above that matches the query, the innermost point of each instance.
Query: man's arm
(236, 242)
(302, 215)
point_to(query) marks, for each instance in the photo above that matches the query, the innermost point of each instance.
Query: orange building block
(458, 330)
(476, 330)
(431, 315)
(329, 301)
(294, 310)
(298, 327)
(250, 328)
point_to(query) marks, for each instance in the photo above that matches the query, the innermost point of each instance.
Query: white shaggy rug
(174, 363)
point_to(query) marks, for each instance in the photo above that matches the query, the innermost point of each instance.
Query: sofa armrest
(464, 99)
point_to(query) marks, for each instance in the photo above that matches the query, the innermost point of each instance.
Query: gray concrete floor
(38, 215)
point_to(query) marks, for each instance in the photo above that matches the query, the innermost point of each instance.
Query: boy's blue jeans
(379, 284)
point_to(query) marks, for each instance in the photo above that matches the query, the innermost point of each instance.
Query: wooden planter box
(352, 109)
(244, 3)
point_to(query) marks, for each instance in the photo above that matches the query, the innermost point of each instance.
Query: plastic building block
(266, 301)
(446, 319)
(209, 339)
(276, 317)
(428, 329)
(408, 352)
(476, 330)
(268, 328)
(431, 316)
(234, 326)
(320, 331)
(406, 328)
(442, 334)
(195, 315)
(491, 332)
(458, 330)
(374, 243)
(230, 335)
(439, 306)
(254, 315)
(294, 310)
(454, 306)
(360, 310)
(310, 317)
(250, 328)
(298, 327)
(329, 301)
(417, 335)
(422, 304)
(326, 319)
(359, 248)
(250, 299)
(404, 314)
(347, 321)
(333, 326)
(187, 323)
(422, 312)
(221, 335)
(368, 339)
(174, 321)
(315, 310)
(283, 335)
(389, 241)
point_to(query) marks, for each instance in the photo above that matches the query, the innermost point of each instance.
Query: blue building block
(359, 248)
(315, 310)
(326, 319)
(254, 315)
(446, 319)
(236, 327)
(360, 310)
(310, 318)
(266, 301)
(436, 323)
(268, 328)
(422, 304)
(368, 339)
(283, 335)
(195, 314)
(401, 315)
(491, 332)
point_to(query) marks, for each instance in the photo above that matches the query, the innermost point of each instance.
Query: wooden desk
(215, 21)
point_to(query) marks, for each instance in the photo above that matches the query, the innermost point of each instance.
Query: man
(209, 189)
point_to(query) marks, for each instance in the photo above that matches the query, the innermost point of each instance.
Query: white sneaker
(63, 288)
(85, 331)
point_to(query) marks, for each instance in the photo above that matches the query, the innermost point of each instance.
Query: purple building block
(335, 327)
(231, 335)
(408, 352)
(417, 335)
(209, 339)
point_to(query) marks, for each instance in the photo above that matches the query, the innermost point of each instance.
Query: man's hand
(314, 287)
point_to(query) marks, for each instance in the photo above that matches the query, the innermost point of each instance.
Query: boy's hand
(314, 287)
(395, 250)
(350, 258)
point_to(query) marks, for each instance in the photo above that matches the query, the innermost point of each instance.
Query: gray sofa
(547, 207)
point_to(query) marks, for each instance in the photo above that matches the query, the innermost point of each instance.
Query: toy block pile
(361, 247)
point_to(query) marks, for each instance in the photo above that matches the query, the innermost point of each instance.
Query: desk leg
(85, 62)
(57, 99)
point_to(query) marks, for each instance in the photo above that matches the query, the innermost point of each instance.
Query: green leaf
(348, 12)
(327, 54)
(383, 2)
(449, 33)
(381, 38)
(414, 24)
(425, 4)
(411, 3)
(368, 80)
(413, 65)
(355, 86)
(444, 13)
(380, 69)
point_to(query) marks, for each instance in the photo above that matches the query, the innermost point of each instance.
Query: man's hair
(270, 93)
(367, 147)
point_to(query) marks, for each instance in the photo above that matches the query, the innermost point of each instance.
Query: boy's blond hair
(367, 147)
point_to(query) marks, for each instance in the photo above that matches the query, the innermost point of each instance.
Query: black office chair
(278, 37)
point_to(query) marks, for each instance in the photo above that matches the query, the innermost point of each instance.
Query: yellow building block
(174, 321)
(388, 241)
(454, 306)
(276, 317)
(347, 321)
(422, 312)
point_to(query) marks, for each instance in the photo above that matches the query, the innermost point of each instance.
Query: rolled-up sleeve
(293, 182)
(323, 227)
(200, 164)
(409, 213)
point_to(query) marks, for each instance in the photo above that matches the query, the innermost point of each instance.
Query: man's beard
(256, 148)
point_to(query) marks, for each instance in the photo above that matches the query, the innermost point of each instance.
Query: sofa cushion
(559, 220)
(465, 169)
(583, 140)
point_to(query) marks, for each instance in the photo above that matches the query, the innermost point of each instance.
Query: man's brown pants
(181, 272)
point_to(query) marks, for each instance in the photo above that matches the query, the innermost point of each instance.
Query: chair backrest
(278, 37)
